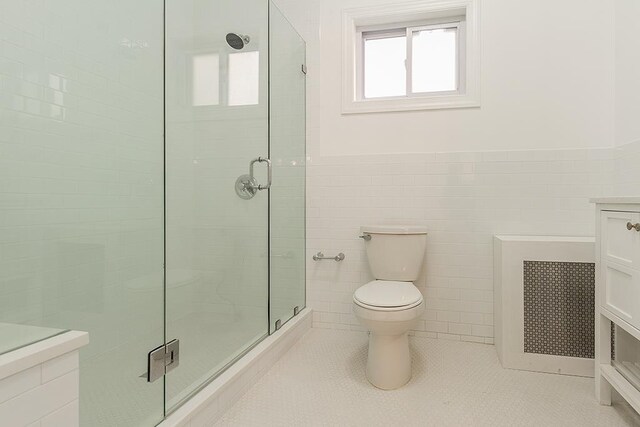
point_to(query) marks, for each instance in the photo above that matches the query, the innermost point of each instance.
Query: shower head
(237, 41)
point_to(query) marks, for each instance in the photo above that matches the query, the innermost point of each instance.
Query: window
(410, 57)
(384, 65)
(411, 61)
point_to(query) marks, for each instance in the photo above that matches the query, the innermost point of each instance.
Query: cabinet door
(619, 244)
(620, 252)
(621, 292)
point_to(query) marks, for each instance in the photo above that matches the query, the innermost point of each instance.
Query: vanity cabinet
(617, 363)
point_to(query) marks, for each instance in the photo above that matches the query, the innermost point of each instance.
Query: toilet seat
(384, 295)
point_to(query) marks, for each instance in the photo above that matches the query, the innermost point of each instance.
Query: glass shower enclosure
(152, 188)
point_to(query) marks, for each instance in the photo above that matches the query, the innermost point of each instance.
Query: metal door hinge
(162, 360)
(296, 310)
(278, 324)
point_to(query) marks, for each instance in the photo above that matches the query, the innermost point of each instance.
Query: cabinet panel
(619, 244)
(622, 292)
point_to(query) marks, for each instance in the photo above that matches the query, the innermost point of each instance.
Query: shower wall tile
(625, 170)
(463, 199)
(34, 396)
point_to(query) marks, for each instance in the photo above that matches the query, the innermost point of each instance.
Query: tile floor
(321, 382)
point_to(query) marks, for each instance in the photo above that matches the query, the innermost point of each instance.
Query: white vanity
(617, 365)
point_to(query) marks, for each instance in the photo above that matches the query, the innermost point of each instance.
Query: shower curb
(215, 399)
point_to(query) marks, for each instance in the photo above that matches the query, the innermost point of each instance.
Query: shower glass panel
(216, 242)
(81, 191)
(287, 147)
(127, 135)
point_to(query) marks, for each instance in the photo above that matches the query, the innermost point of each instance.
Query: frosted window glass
(384, 67)
(244, 78)
(434, 67)
(206, 79)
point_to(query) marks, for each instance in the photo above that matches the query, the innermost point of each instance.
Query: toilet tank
(395, 252)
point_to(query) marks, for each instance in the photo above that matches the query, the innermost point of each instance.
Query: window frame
(363, 34)
(405, 19)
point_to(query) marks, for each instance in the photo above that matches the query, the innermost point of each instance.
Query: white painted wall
(547, 83)
(527, 161)
(627, 70)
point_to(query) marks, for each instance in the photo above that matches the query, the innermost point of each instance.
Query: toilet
(390, 306)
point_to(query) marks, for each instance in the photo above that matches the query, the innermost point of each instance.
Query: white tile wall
(45, 395)
(625, 170)
(463, 199)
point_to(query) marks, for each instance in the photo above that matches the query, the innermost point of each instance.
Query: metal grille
(559, 308)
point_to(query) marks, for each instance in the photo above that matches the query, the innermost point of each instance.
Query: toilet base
(388, 361)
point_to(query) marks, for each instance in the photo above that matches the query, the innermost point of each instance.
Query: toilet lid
(383, 293)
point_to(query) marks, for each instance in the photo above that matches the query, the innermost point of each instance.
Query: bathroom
(319, 213)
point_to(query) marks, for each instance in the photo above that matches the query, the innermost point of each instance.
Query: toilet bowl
(390, 306)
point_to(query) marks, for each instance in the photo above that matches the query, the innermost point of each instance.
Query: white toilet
(390, 305)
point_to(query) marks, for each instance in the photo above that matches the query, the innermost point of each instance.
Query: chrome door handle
(247, 186)
(631, 226)
(269, 172)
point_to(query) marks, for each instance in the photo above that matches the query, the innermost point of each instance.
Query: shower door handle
(269, 173)
(247, 186)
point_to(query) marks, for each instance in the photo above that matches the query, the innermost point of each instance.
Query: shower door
(287, 71)
(217, 265)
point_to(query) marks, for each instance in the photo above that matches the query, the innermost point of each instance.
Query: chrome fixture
(633, 227)
(320, 256)
(365, 237)
(162, 360)
(247, 186)
(237, 41)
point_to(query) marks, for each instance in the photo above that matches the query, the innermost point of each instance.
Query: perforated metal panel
(559, 300)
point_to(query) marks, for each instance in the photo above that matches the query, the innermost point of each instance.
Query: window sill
(410, 104)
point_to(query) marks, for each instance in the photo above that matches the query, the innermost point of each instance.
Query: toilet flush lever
(365, 237)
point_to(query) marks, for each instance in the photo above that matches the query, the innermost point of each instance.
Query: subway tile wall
(45, 395)
(626, 170)
(464, 199)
